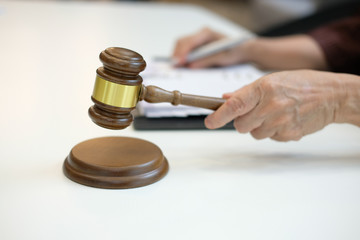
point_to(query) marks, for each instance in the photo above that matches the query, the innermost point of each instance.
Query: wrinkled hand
(188, 43)
(282, 106)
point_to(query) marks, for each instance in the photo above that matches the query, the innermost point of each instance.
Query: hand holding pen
(208, 48)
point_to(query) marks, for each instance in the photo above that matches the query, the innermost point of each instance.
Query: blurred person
(273, 13)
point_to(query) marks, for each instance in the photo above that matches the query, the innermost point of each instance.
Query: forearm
(285, 53)
(348, 104)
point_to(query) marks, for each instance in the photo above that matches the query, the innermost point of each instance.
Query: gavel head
(117, 88)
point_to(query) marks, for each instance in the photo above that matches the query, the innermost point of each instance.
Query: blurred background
(262, 15)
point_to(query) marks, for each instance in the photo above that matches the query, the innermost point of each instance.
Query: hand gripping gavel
(118, 88)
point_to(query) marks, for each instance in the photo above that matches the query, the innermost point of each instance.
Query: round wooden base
(115, 162)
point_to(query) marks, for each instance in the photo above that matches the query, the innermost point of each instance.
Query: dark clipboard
(173, 123)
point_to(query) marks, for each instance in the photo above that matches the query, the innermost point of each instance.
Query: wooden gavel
(118, 88)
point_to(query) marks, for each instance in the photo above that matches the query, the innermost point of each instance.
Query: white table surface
(221, 185)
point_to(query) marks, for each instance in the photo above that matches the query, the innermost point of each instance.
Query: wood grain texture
(153, 94)
(115, 163)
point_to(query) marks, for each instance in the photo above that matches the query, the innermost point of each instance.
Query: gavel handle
(153, 94)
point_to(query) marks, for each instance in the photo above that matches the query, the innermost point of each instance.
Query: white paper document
(212, 82)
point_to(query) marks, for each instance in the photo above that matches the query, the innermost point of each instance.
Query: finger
(186, 44)
(243, 101)
(182, 48)
(245, 128)
(247, 122)
(210, 61)
(224, 58)
(262, 132)
(288, 134)
(261, 117)
(205, 35)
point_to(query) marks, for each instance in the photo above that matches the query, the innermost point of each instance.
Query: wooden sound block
(115, 162)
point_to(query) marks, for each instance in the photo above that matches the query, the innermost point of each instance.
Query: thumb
(240, 103)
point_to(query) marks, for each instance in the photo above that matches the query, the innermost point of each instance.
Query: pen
(215, 47)
(208, 49)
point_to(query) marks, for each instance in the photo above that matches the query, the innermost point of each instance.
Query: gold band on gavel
(115, 94)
